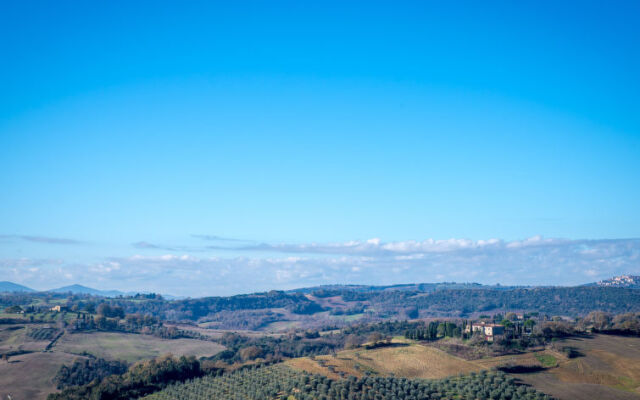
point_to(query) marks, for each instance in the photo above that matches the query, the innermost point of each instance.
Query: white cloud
(376, 247)
(531, 261)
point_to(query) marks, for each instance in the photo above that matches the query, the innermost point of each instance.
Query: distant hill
(622, 281)
(79, 289)
(419, 287)
(9, 287)
(13, 287)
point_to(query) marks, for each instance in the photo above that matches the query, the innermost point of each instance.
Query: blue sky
(129, 127)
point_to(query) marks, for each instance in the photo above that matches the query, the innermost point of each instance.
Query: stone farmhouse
(487, 329)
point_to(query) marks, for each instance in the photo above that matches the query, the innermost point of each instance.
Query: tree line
(140, 379)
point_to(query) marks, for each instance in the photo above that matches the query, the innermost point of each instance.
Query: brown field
(281, 326)
(29, 376)
(400, 359)
(608, 365)
(312, 367)
(203, 329)
(212, 333)
(549, 383)
(329, 302)
(132, 347)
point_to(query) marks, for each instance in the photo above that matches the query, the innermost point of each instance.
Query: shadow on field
(384, 344)
(520, 369)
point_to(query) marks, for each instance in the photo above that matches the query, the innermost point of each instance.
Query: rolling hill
(79, 289)
(13, 287)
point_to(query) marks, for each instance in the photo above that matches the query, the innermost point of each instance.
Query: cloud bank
(188, 271)
(216, 238)
(40, 239)
(376, 248)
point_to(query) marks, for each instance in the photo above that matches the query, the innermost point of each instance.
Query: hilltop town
(623, 281)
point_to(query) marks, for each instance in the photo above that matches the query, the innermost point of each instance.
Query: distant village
(628, 281)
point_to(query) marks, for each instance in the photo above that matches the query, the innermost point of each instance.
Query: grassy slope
(402, 359)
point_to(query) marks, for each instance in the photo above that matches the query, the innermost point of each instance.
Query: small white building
(487, 329)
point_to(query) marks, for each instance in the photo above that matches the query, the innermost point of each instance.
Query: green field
(547, 360)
